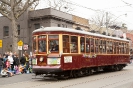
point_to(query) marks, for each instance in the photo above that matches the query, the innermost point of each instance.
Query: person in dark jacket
(16, 63)
(55, 47)
(16, 60)
(23, 60)
(23, 63)
(1, 63)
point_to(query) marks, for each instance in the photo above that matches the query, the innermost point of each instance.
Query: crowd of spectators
(11, 64)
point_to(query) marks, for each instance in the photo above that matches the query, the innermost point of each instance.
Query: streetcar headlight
(41, 59)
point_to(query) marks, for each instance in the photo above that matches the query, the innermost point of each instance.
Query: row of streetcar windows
(86, 45)
(91, 45)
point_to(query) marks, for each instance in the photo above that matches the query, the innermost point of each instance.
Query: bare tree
(105, 19)
(13, 9)
(101, 18)
(61, 5)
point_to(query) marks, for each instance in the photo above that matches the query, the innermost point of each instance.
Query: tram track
(93, 80)
(83, 82)
(49, 82)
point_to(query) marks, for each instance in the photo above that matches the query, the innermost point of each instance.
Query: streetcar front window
(42, 43)
(53, 43)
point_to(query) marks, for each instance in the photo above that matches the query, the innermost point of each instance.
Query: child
(21, 69)
(8, 66)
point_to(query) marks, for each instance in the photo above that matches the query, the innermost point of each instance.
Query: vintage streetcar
(65, 52)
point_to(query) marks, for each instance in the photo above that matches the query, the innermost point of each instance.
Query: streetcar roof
(43, 29)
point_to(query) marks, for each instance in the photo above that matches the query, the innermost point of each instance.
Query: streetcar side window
(42, 43)
(66, 45)
(111, 47)
(108, 47)
(127, 48)
(74, 44)
(100, 46)
(87, 45)
(82, 46)
(120, 45)
(122, 48)
(104, 46)
(34, 43)
(96, 45)
(92, 45)
(115, 47)
(53, 43)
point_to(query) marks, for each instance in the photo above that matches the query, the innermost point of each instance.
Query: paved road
(120, 79)
(15, 79)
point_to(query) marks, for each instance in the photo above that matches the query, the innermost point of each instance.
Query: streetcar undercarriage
(78, 72)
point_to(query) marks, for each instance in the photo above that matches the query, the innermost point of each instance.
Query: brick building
(34, 19)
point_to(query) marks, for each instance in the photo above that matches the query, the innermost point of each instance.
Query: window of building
(37, 26)
(74, 44)
(59, 25)
(18, 29)
(6, 31)
(66, 45)
(63, 25)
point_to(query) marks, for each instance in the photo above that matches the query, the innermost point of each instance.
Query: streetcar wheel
(90, 72)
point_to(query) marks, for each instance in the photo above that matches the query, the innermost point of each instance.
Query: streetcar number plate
(53, 61)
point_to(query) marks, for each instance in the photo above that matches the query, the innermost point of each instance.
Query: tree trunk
(14, 29)
(14, 36)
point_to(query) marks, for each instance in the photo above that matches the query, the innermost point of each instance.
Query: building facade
(34, 19)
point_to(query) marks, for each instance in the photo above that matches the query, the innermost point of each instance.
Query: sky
(88, 8)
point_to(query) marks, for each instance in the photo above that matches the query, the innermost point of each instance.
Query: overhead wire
(97, 10)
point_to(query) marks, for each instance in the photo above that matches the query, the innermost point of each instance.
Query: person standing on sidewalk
(10, 58)
(23, 63)
(1, 63)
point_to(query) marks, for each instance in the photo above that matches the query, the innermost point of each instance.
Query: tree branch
(17, 3)
(5, 2)
(26, 5)
(6, 15)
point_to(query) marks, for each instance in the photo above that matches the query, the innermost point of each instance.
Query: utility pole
(106, 23)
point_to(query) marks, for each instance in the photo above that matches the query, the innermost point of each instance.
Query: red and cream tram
(73, 53)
